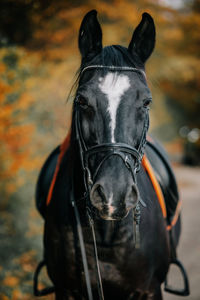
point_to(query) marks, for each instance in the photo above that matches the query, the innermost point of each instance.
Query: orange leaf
(11, 281)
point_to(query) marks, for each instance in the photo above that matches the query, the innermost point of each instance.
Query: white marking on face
(111, 208)
(114, 86)
(110, 199)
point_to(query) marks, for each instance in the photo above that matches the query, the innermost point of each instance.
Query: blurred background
(38, 61)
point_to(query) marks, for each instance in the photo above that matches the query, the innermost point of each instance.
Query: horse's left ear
(90, 36)
(143, 39)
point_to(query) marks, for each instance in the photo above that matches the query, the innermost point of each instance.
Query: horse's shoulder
(45, 179)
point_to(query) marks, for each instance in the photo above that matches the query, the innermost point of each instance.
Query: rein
(131, 157)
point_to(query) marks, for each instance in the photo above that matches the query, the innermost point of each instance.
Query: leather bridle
(131, 157)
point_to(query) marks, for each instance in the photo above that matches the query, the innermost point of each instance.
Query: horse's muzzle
(110, 205)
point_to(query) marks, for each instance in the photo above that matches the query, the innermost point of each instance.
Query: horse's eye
(147, 102)
(83, 102)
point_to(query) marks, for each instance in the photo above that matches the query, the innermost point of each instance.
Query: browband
(114, 68)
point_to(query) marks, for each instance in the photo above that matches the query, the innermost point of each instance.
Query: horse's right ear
(90, 36)
(143, 39)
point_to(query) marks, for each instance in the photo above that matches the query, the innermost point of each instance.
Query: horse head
(112, 102)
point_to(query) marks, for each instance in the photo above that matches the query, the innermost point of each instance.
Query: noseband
(131, 158)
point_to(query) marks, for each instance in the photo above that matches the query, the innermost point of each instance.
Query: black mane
(114, 55)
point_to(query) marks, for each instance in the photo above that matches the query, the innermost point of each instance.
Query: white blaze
(114, 86)
(111, 208)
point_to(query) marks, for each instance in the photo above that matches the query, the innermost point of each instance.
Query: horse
(100, 183)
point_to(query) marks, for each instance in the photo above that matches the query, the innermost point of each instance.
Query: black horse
(100, 180)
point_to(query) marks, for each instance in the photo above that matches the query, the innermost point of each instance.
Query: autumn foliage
(47, 53)
(38, 61)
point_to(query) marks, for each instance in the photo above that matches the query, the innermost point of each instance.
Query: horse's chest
(116, 252)
(113, 250)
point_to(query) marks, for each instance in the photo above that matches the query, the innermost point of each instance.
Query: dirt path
(189, 248)
(21, 230)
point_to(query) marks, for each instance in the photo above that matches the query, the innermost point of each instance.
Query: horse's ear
(90, 36)
(143, 39)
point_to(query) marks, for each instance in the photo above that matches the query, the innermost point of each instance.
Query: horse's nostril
(100, 190)
(112, 205)
(131, 197)
(135, 191)
(97, 196)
